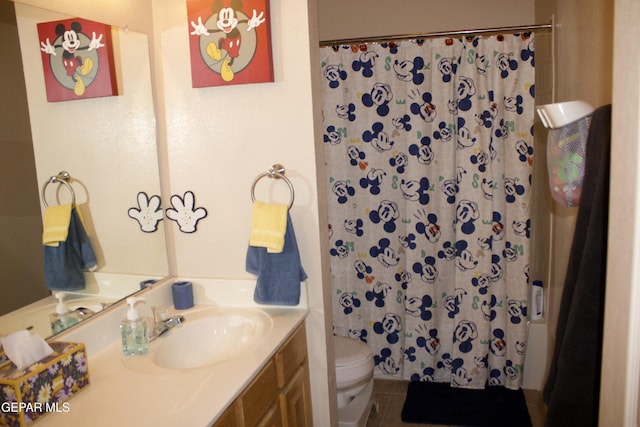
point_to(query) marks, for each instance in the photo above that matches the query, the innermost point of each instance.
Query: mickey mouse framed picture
(77, 59)
(229, 41)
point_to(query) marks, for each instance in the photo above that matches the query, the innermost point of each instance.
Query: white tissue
(24, 349)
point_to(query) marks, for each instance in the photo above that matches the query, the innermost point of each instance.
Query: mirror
(108, 147)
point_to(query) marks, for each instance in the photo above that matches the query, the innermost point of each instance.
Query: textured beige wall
(365, 18)
(134, 15)
(584, 35)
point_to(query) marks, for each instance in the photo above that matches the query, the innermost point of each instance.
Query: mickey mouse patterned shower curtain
(428, 149)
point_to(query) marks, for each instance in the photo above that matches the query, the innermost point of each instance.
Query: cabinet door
(273, 418)
(259, 396)
(295, 400)
(292, 354)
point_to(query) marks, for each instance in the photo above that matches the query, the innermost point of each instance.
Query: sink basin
(206, 336)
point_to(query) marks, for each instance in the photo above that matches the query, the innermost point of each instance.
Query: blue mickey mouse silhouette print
(365, 63)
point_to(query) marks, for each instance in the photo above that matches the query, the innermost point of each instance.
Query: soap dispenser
(62, 318)
(135, 340)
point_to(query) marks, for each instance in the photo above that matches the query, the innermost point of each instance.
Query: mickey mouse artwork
(77, 59)
(230, 42)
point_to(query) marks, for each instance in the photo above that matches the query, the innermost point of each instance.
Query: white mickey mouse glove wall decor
(183, 212)
(148, 214)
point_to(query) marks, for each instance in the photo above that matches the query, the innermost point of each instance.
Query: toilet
(354, 381)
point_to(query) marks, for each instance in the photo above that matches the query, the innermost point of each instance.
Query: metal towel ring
(276, 171)
(62, 178)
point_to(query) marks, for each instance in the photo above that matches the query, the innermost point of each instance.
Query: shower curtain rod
(511, 29)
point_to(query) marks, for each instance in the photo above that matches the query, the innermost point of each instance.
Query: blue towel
(64, 264)
(279, 274)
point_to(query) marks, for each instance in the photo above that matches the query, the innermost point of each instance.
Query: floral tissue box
(28, 394)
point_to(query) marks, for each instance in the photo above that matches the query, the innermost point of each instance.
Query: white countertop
(119, 396)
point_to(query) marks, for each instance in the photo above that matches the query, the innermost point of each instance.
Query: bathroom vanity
(267, 386)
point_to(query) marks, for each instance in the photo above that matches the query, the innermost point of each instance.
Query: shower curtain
(428, 150)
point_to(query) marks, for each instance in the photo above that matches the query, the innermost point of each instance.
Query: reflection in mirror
(108, 147)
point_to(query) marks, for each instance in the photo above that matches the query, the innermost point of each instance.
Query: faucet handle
(161, 313)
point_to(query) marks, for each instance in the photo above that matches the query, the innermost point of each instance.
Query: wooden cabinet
(279, 396)
(295, 400)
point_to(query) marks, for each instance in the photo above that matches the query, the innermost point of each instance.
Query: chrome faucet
(84, 312)
(163, 325)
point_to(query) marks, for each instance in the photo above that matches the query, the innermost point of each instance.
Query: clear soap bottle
(135, 340)
(62, 318)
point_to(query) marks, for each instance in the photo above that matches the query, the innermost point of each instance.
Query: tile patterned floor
(390, 395)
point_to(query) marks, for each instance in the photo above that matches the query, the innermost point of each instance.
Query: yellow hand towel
(56, 224)
(268, 225)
